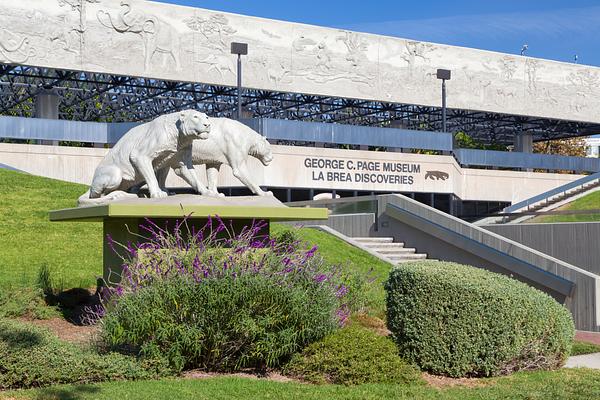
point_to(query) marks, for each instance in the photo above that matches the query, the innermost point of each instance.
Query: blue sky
(553, 29)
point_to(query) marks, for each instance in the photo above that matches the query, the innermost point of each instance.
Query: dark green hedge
(458, 320)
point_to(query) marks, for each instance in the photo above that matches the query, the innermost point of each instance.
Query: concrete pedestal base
(122, 219)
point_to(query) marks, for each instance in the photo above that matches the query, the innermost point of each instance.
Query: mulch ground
(66, 330)
(440, 382)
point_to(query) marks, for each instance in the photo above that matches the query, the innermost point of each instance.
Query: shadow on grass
(77, 305)
(67, 393)
(19, 338)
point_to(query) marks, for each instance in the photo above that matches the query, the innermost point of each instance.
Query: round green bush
(458, 320)
(223, 323)
(352, 356)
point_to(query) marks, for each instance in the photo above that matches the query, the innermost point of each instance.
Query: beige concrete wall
(289, 169)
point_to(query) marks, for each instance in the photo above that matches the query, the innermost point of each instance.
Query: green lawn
(563, 384)
(73, 251)
(584, 348)
(588, 202)
(28, 239)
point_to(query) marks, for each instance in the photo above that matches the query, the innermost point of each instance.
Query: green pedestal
(121, 219)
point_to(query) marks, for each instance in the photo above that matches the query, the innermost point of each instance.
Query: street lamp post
(241, 49)
(444, 75)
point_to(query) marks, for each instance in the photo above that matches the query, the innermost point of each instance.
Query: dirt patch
(274, 376)
(375, 324)
(66, 330)
(442, 382)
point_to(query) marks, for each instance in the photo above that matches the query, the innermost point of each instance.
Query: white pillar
(46, 106)
(524, 143)
(399, 124)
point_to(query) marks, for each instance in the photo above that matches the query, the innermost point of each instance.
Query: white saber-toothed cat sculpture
(231, 143)
(162, 143)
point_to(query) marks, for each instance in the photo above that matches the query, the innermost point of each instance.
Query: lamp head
(444, 74)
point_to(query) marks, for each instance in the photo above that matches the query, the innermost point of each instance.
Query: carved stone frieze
(163, 41)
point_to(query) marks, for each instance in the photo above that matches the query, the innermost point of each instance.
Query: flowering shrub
(216, 300)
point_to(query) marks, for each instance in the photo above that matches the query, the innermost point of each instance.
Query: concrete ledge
(241, 207)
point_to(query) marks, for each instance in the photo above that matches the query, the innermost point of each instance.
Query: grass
(588, 202)
(336, 251)
(563, 384)
(580, 348)
(73, 251)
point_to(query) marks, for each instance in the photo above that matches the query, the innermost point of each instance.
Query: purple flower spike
(111, 242)
(341, 291)
(311, 252)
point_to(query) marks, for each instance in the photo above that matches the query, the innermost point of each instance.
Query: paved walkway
(586, 361)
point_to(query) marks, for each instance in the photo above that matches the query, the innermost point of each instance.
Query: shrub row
(25, 302)
(458, 320)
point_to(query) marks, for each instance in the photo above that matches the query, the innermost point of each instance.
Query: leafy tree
(574, 147)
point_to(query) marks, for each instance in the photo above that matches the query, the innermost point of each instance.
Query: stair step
(400, 250)
(374, 239)
(408, 257)
(395, 252)
(375, 246)
(560, 197)
(409, 260)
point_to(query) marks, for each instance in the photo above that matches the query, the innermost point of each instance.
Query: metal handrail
(325, 202)
(505, 159)
(561, 189)
(331, 205)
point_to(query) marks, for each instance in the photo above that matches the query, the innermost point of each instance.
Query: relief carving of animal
(219, 63)
(163, 143)
(436, 175)
(231, 143)
(14, 49)
(157, 35)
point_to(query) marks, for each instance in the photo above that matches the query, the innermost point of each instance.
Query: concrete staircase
(584, 189)
(549, 203)
(394, 251)
(552, 203)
